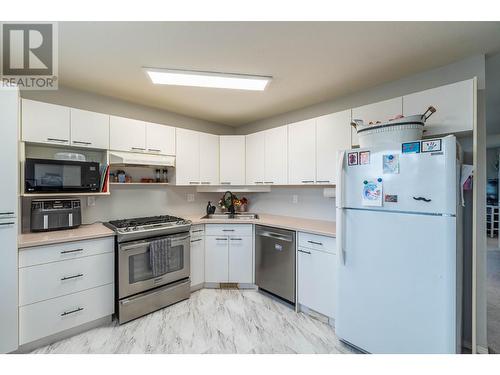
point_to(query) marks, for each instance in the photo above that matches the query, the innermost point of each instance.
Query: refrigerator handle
(339, 200)
(340, 235)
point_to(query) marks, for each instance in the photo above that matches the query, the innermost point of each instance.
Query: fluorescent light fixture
(207, 79)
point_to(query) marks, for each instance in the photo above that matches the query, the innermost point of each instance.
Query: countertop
(321, 227)
(84, 232)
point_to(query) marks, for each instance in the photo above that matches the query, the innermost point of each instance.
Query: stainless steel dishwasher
(275, 261)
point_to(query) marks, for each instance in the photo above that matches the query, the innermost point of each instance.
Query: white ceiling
(310, 61)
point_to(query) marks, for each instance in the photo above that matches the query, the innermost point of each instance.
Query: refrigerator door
(8, 282)
(398, 294)
(411, 182)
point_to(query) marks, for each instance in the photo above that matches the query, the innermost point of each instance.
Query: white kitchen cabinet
(380, 111)
(316, 281)
(216, 259)
(45, 123)
(240, 259)
(209, 159)
(232, 159)
(333, 133)
(187, 163)
(316, 273)
(126, 134)
(276, 156)
(302, 154)
(197, 259)
(255, 158)
(454, 103)
(89, 129)
(160, 139)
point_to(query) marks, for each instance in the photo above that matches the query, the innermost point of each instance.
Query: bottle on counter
(157, 175)
(165, 179)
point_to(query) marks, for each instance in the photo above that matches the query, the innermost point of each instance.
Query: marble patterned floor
(211, 321)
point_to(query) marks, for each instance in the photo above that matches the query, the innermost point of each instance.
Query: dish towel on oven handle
(158, 256)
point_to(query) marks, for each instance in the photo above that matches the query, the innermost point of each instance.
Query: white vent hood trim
(134, 158)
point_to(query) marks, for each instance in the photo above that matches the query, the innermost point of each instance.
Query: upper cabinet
(333, 133)
(276, 153)
(454, 103)
(89, 129)
(232, 159)
(126, 134)
(160, 139)
(302, 155)
(45, 123)
(381, 111)
(209, 159)
(255, 158)
(197, 159)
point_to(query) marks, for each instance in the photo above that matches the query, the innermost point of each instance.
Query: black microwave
(58, 176)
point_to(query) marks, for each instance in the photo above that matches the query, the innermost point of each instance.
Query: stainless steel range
(141, 289)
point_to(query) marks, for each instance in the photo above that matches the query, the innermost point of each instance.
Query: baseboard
(316, 315)
(218, 286)
(29, 347)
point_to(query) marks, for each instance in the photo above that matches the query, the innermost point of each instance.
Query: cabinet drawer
(228, 229)
(32, 256)
(50, 280)
(46, 318)
(197, 230)
(317, 242)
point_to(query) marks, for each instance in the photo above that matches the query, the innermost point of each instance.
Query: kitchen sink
(237, 216)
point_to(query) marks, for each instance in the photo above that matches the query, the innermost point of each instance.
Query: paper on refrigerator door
(467, 171)
(372, 193)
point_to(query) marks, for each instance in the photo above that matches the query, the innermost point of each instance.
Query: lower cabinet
(316, 278)
(63, 286)
(197, 257)
(229, 257)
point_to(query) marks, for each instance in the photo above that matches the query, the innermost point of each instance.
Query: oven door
(134, 268)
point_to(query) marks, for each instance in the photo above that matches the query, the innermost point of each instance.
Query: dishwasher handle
(278, 236)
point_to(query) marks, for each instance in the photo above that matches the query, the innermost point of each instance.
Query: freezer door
(396, 283)
(8, 289)
(416, 182)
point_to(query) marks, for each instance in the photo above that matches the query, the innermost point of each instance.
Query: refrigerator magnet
(391, 164)
(410, 148)
(372, 193)
(431, 145)
(352, 158)
(364, 157)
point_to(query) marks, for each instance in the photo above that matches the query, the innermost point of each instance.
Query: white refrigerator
(399, 260)
(9, 166)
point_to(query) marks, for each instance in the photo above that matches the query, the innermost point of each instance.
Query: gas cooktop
(150, 226)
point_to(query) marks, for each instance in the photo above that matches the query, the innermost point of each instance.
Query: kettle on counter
(210, 208)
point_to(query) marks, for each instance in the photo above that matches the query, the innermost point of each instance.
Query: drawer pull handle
(315, 243)
(193, 183)
(236, 239)
(199, 239)
(154, 149)
(205, 182)
(221, 239)
(138, 148)
(71, 277)
(8, 223)
(82, 143)
(197, 230)
(228, 230)
(323, 181)
(57, 140)
(72, 311)
(269, 182)
(225, 183)
(71, 251)
(307, 181)
(305, 252)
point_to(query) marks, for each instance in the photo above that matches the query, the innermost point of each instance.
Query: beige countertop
(321, 227)
(83, 232)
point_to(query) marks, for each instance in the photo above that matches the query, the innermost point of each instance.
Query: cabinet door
(160, 139)
(454, 105)
(89, 129)
(381, 111)
(240, 259)
(302, 152)
(209, 159)
(126, 134)
(232, 159)
(45, 123)
(255, 158)
(333, 133)
(276, 160)
(197, 255)
(216, 259)
(187, 163)
(316, 281)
